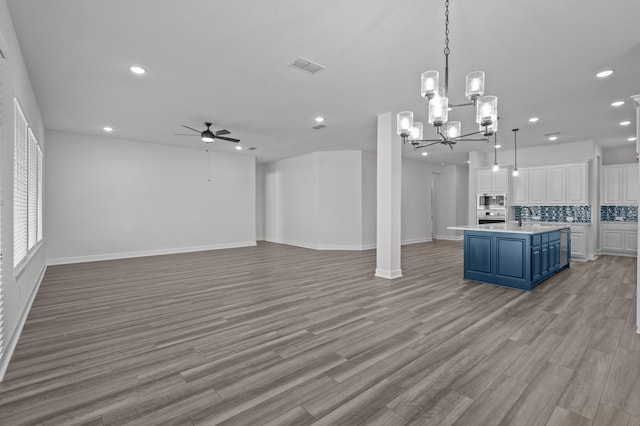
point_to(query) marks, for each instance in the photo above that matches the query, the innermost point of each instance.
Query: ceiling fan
(207, 135)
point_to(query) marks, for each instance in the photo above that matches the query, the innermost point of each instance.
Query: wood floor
(281, 335)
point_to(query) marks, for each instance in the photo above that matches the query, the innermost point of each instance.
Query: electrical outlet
(569, 218)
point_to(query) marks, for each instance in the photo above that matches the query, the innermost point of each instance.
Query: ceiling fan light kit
(208, 136)
(449, 132)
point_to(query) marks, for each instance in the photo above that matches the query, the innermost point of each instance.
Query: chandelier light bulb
(452, 129)
(495, 167)
(515, 173)
(475, 85)
(404, 123)
(438, 108)
(416, 131)
(487, 110)
(429, 84)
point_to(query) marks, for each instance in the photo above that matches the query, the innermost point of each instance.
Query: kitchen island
(515, 256)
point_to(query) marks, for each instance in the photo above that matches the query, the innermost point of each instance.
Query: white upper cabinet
(521, 187)
(556, 184)
(490, 181)
(548, 185)
(537, 179)
(500, 180)
(577, 184)
(620, 184)
(630, 187)
(484, 181)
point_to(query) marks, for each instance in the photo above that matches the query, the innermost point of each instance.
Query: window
(20, 178)
(27, 189)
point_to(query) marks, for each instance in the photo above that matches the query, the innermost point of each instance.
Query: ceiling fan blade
(185, 134)
(191, 128)
(228, 139)
(222, 132)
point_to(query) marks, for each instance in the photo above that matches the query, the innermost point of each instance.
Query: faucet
(520, 218)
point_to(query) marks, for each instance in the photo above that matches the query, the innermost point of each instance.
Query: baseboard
(145, 253)
(13, 340)
(449, 238)
(415, 241)
(347, 247)
(616, 253)
(390, 275)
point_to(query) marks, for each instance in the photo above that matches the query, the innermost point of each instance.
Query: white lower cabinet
(619, 238)
(631, 241)
(578, 243)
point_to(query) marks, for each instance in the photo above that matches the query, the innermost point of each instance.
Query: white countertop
(526, 228)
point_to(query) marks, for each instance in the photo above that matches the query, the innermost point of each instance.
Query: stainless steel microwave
(492, 201)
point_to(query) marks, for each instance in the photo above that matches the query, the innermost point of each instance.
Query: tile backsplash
(577, 214)
(619, 213)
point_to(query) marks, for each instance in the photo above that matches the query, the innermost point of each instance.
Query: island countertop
(526, 228)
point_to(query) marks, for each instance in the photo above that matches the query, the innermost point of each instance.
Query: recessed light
(533, 119)
(498, 146)
(239, 148)
(137, 70)
(605, 73)
(625, 123)
(468, 162)
(319, 119)
(553, 138)
(632, 139)
(107, 129)
(424, 154)
(617, 103)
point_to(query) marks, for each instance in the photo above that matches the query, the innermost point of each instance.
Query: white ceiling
(227, 61)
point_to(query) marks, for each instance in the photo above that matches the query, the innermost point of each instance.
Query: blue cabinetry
(515, 260)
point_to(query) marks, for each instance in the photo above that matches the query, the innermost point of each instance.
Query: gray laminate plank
(282, 334)
(537, 402)
(622, 389)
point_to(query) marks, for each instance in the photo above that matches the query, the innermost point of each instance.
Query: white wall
(369, 199)
(18, 289)
(620, 155)
(316, 200)
(260, 201)
(291, 200)
(111, 198)
(339, 200)
(327, 200)
(417, 177)
(452, 201)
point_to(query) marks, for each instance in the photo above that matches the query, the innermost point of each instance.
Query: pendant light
(495, 167)
(515, 172)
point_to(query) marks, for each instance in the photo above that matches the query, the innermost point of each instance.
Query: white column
(636, 100)
(389, 180)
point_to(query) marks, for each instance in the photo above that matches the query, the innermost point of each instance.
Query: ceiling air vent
(306, 65)
(318, 126)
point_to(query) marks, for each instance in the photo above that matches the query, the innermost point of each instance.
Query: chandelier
(449, 132)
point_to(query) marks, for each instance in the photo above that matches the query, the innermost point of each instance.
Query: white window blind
(20, 182)
(32, 190)
(40, 177)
